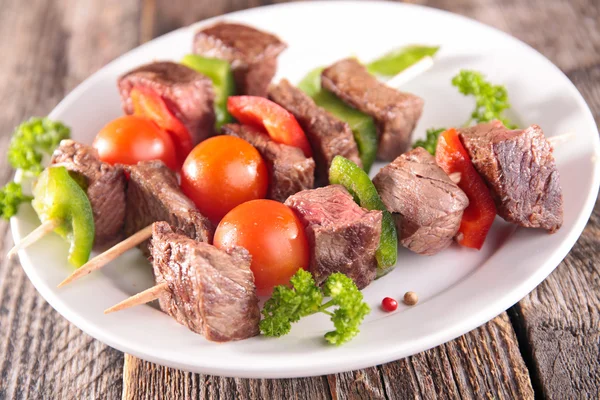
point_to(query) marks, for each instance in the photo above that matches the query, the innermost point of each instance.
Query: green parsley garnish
(11, 197)
(33, 138)
(288, 305)
(490, 100)
(430, 142)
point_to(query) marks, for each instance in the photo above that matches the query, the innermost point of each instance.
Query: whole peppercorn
(410, 298)
(389, 304)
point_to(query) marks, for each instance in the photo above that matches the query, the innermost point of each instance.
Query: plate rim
(365, 360)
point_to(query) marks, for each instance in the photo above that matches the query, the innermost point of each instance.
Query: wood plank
(483, 363)
(47, 48)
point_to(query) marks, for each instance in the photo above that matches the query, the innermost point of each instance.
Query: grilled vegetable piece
(219, 72)
(362, 126)
(251, 53)
(400, 59)
(281, 126)
(104, 185)
(479, 215)
(58, 197)
(358, 183)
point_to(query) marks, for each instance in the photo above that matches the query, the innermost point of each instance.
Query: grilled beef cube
(210, 291)
(289, 170)
(188, 94)
(105, 188)
(252, 54)
(343, 237)
(427, 206)
(396, 113)
(153, 194)
(519, 168)
(327, 135)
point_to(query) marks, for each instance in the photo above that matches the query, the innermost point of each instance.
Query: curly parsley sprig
(490, 100)
(32, 139)
(490, 103)
(288, 305)
(11, 197)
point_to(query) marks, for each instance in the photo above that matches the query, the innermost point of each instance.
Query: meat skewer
(153, 194)
(210, 291)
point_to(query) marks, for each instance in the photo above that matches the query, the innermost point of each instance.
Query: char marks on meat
(252, 54)
(210, 291)
(188, 94)
(153, 194)
(519, 168)
(427, 206)
(396, 113)
(290, 171)
(343, 237)
(105, 188)
(327, 135)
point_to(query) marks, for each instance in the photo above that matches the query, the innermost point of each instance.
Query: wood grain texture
(47, 48)
(485, 363)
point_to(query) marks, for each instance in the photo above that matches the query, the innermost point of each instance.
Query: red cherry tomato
(221, 173)
(281, 126)
(273, 235)
(130, 139)
(147, 103)
(389, 304)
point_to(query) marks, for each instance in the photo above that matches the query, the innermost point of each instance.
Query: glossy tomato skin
(273, 235)
(221, 173)
(130, 139)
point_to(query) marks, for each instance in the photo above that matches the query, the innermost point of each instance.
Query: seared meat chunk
(252, 54)
(105, 188)
(188, 94)
(427, 206)
(210, 291)
(343, 237)
(153, 194)
(328, 136)
(396, 113)
(289, 170)
(519, 168)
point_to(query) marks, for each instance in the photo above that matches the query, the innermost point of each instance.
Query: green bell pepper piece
(358, 183)
(219, 72)
(398, 60)
(57, 196)
(363, 127)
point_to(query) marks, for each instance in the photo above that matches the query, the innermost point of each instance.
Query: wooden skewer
(554, 140)
(102, 259)
(45, 228)
(141, 298)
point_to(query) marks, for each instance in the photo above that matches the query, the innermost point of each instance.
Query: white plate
(459, 289)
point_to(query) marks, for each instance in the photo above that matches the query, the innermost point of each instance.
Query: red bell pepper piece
(149, 104)
(260, 112)
(478, 217)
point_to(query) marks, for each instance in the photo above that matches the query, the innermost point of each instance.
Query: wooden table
(547, 345)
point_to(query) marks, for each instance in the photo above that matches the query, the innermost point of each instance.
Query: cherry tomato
(147, 103)
(281, 126)
(130, 139)
(273, 235)
(389, 304)
(221, 173)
